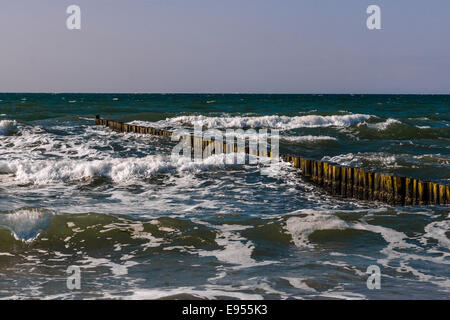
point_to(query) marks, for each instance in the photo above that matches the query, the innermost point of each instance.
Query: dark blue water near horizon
(141, 224)
(387, 105)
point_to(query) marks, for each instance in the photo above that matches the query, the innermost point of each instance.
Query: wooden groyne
(348, 182)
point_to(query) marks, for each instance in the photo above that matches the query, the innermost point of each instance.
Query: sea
(89, 213)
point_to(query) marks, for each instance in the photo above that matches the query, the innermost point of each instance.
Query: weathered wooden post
(399, 190)
(421, 193)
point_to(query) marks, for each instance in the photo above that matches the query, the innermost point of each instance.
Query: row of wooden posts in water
(338, 180)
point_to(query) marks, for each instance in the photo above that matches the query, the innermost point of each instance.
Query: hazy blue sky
(279, 46)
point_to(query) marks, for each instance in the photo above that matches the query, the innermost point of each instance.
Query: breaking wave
(7, 126)
(272, 121)
(26, 224)
(382, 125)
(119, 170)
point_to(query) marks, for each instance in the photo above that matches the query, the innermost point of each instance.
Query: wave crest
(119, 170)
(272, 121)
(7, 126)
(26, 224)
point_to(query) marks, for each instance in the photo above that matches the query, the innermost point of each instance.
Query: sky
(225, 46)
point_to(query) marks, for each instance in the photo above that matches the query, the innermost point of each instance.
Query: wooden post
(356, 184)
(389, 189)
(314, 172)
(441, 191)
(377, 187)
(320, 172)
(447, 194)
(399, 190)
(421, 193)
(361, 184)
(409, 191)
(296, 161)
(350, 182)
(344, 182)
(434, 193)
(326, 177)
(337, 178)
(370, 185)
(308, 164)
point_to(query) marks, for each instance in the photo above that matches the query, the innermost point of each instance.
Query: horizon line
(218, 93)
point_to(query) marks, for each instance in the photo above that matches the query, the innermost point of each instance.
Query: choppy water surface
(142, 226)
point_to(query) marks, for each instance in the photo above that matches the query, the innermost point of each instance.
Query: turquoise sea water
(140, 225)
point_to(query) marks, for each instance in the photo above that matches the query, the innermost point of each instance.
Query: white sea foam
(254, 288)
(301, 228)
(343, 295)
(397, 254)
(273, 121)
(205, 292)
(119, 170)
(236, 250)
(308, 138)
(437, 230)
(117, 269)
(258, 136)
(381, 125)
(350, 159)
(299, 283)
(51, 171)
(6, 254)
